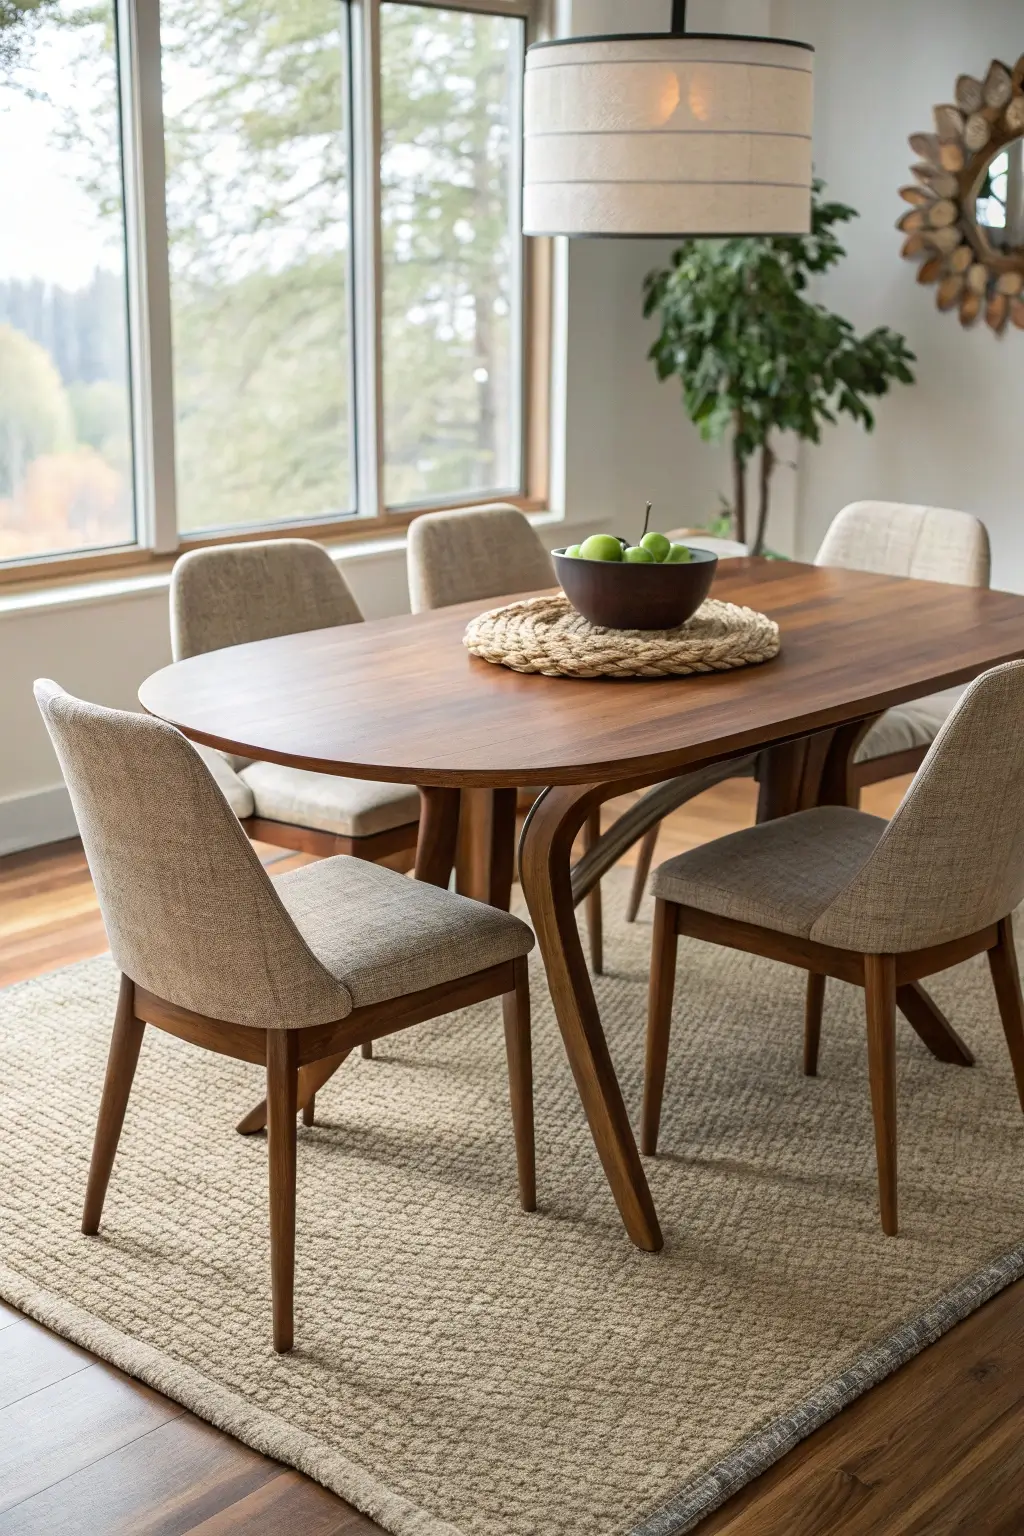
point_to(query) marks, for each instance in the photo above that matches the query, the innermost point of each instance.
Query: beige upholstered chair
(290, 973)
(240, 592)
(879, 904)
(929, 544)
(477, 554)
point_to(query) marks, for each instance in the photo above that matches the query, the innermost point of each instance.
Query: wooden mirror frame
(941, 227)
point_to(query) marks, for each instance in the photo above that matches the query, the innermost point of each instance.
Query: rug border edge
(223, 1407)
(711, 1489)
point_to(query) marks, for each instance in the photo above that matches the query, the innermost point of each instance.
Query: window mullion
(368, 283)
(149, 296)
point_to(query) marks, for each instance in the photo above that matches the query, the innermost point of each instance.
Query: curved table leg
(545, 867)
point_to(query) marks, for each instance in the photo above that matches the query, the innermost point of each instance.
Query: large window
(294, 227)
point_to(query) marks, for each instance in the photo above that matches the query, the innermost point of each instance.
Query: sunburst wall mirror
(965, 225)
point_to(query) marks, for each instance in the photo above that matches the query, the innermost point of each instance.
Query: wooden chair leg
(880, 995)
(311, 1079)
(593, 905)
(282, 1094)
(516, 1011)
(644, 860)
(659, 1021)
(1002, 962)
(122, 1060)
(366, 1050)
(813, 1006)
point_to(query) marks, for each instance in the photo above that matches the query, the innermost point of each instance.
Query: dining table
(401, 700)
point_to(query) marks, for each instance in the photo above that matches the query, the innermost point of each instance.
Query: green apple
(637, 555)
(601, 546)
(658, 545)
(678, 554)
(573, 552)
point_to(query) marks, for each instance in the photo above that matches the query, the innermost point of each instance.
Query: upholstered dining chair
(476, 554)
(290, 974)
(880, 904)
(928, 544)
(235, 593)
(894, 539)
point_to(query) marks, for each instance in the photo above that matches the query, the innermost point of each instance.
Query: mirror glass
(999, 205)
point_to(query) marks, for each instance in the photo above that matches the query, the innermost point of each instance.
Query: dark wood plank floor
(937, 1450)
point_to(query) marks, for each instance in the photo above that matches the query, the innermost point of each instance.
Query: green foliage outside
(35, 413)
(447, 94)
(757, 356)
(17, 18)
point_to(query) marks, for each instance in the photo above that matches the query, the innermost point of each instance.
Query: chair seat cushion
(348, 807)
(908, 725)
(383, 935)
(780, 875)
(237, 794)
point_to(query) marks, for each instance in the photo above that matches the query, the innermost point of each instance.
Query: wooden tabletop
(400, 699)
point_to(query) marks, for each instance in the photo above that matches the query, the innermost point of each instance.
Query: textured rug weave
(463, 1369)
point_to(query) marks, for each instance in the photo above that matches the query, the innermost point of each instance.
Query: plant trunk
(767, 469)
(739, 494)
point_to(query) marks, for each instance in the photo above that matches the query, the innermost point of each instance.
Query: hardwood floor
(937, 1450)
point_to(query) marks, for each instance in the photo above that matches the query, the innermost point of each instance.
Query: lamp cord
(678, 18)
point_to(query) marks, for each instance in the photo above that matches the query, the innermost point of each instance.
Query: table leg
(487, 846)
(545, 867)
(439, 830)
(780, 777)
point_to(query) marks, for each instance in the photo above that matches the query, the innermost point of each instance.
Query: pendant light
(668, 134)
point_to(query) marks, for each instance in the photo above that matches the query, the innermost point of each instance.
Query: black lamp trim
(663, 37)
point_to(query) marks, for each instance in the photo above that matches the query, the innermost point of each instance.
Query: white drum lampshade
(674, 134)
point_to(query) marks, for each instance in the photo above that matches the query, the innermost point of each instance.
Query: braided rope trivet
(547, 635)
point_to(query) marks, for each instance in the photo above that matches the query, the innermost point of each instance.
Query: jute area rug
(463, 1369)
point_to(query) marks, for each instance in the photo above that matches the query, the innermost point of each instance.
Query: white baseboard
(41, 816)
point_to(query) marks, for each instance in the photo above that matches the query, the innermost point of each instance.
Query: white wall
(954, 439)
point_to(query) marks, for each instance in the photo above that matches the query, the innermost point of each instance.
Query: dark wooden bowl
(620, 596)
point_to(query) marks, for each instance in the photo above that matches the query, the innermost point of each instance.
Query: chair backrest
(238, 592)
(479, 552)
(190, 912)
(894, 539)
(951, 861)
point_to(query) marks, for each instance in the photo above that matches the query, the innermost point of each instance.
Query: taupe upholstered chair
(240, 592)
(880, 904)
(290, 973)
(477, 554)
(929, 544)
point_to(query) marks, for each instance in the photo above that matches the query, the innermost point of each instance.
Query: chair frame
(889, 982)
(396, 846)
(297, 1063)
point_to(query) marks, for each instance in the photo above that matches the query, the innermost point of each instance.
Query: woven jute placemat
(547, 635)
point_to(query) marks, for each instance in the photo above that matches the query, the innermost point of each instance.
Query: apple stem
(647, 517)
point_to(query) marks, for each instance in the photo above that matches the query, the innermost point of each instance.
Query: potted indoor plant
(757, 355)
